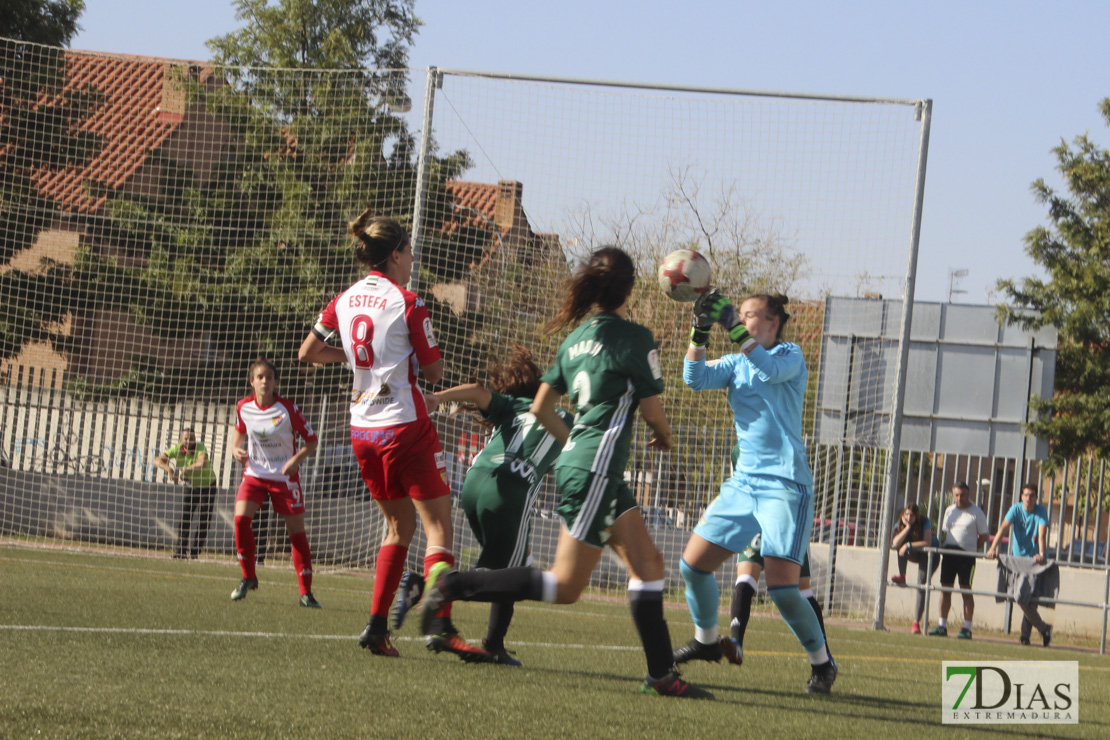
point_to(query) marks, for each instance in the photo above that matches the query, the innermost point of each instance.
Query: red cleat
(731, 650)
(451, 642)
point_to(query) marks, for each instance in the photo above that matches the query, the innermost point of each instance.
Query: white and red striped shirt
(387, 336)
(271, 435)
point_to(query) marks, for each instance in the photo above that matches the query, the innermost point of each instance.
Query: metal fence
(46, 430)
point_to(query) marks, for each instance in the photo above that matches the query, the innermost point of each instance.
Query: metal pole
(1105, 598)
(894, 457)
(832, 532)
(423, 164)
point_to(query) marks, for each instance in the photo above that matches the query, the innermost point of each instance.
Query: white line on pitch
(272, 635)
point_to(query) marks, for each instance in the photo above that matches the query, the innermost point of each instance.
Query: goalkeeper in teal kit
(770, 490)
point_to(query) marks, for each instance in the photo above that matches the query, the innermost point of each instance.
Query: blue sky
(1008, 80)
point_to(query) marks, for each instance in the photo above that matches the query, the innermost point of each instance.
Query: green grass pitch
(109, 645)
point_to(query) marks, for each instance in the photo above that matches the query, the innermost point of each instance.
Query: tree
(49, 22)
(1075, 298)
(248, 252)
(39, 133)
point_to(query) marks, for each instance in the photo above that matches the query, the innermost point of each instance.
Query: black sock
(378, 625)
(647, 615)
(820, 619)
(740, 611)
(500, 615)
(506, 584)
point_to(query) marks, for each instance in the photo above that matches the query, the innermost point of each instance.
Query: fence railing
(46, 430)
(928, 588)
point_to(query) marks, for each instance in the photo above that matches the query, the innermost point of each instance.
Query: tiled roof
(471, 199)
(131, 122)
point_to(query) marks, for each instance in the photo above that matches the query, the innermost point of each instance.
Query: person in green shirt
(609, 366)
(500, 488)
(188, 462)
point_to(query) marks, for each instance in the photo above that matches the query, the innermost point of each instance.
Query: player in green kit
(500, 488)
(609, 367)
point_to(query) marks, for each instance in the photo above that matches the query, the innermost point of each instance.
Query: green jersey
(204, 476)
(606, 365)
(520, 447)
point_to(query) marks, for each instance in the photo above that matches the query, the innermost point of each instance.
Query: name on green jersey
(585, 347)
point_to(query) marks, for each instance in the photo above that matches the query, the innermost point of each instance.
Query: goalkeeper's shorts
(779, 510)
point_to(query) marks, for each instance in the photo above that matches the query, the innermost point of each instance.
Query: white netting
(186, 218)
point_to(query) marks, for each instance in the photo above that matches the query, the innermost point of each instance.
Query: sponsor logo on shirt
(428, 333)
(653, 362)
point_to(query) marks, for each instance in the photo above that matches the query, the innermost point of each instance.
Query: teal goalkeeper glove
(719, 308)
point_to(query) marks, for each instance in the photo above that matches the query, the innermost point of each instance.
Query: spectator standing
(1029, 522)
(188, 462)
(963, 527)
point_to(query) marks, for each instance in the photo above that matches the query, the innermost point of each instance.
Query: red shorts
(403, 461)
(286, 497)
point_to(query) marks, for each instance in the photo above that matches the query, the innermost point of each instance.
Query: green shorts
(499, 509)
(589, 503)
(751, 554)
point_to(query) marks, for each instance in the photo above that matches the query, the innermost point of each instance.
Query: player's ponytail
(378, 237)
(605, 281)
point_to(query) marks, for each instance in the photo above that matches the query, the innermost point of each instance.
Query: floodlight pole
(894, 452)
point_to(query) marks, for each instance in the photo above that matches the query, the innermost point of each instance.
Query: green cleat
(434, 599)
(240, 592)
(938, 631)
(964, 634)
(310, 601)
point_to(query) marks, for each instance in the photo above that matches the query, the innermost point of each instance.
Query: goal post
(199, 220)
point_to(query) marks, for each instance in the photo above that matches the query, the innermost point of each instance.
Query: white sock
(749, 580)
(706, 636)
(550, 587)
(967, 624)
(943, 622)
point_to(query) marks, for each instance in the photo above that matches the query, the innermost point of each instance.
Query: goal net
(165, 222)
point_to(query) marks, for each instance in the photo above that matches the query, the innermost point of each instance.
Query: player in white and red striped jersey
(265, 442)
(387, 339)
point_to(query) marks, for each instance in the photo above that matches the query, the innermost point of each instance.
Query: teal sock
(799, 615)
(702, 596)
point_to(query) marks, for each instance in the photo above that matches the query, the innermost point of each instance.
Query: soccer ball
(684, 275)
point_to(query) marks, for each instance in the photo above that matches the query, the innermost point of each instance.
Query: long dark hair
(378, 237)
(519, 376)
(917, 529)
(604, 281)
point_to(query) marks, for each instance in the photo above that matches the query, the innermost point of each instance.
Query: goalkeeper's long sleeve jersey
(766, 390)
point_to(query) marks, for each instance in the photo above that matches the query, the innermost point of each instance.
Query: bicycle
(58, 453)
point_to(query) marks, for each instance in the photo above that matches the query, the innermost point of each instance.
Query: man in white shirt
(963, 527)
